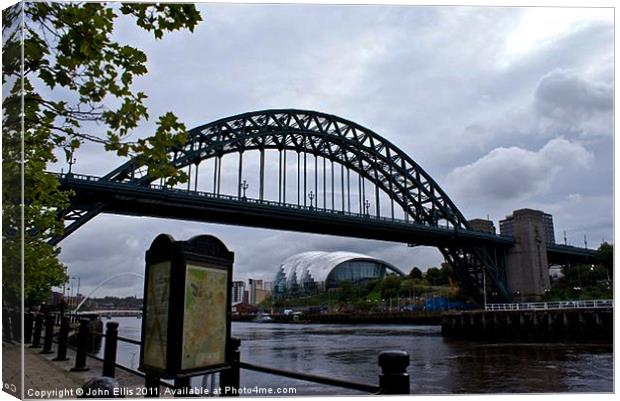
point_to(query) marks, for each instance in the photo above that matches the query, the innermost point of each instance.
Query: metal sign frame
(201, 251)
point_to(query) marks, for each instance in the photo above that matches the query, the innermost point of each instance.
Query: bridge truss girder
(349, 144)
(340, 141)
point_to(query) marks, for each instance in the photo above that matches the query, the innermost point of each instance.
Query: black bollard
(63, 339)
(6, 326)
(230, 378)
(180, 384)
(82, 343)
(109, 353)
(36, 336)
(16, 325)
(151, 383)
(49, 334)
(394, 378)
(28, 321)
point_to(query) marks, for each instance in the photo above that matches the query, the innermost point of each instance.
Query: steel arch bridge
(329, 154)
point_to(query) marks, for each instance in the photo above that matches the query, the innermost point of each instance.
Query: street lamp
(78, 288)
(311, 196)
(72, 160)
(244, 185)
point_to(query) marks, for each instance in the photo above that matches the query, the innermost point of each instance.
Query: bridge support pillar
(527, 269)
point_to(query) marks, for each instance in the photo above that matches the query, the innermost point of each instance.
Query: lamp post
(311, 196)
(244, 185)
(70, 290)
(77, 293)
(72, 161)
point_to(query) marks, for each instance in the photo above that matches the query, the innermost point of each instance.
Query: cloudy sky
(504, 107)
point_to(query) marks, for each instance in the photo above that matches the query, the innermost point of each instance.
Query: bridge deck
(157, 201)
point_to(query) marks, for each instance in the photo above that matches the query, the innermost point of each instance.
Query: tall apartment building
(237, 291)
(255, 286)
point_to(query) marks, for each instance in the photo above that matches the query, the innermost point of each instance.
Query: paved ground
(44, 378)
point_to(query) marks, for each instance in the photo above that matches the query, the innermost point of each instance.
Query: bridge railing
(578, 304)
(263, 202)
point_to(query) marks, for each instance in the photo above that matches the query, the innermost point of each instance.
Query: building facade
(313, 272)
(256, 291)
(483, 225)
(237, 291)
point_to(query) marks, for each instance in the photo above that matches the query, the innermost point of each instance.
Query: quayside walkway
(42, 376)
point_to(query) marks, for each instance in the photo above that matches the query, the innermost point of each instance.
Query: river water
(438, 365)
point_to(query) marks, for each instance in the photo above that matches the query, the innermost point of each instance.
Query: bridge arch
(334, 139)
(309, 132)
(104, 282)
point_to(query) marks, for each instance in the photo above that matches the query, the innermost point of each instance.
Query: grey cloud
(506, 108)
(562, 94)
(429, 79)
(512, 173)
(573, 102)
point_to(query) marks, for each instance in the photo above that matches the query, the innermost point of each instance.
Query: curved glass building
(312, 272)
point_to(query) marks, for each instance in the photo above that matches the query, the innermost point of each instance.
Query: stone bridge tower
(527, 268)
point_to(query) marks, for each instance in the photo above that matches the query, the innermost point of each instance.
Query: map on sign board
(156, 317)
(204, 328)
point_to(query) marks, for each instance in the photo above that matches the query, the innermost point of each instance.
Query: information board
(205, 329)
(156, 317)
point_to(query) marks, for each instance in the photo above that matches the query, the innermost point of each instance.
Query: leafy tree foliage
(73, 76)
(581, 282)
(415, 272)
(439, 276)
(347, 291)
(389, 286)
(605, 257)
(433, 276)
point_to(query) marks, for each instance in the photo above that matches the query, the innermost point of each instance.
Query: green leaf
(81, 56)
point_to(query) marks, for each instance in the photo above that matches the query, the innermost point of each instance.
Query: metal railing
(393, 364)
(440, 228)
(367, 388)
(579, 304)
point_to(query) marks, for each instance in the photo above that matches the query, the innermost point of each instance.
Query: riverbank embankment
(531, 325)
(354, 318)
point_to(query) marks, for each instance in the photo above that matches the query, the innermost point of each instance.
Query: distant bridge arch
(104, 282)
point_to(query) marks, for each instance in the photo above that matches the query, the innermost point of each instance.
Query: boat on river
(262, 318)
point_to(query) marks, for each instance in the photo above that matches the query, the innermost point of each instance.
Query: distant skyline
(505, 108)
